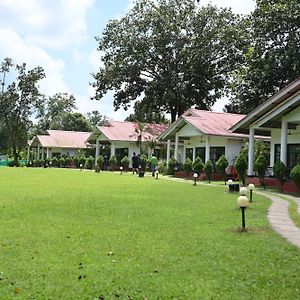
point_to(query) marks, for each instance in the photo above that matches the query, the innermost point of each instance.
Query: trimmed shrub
(54, 162)
(241, 166)
(171, 166)
(62, 162)
(198, 165)
(260, 166)
(280, 172)
(221, 165)
(188, 166)
(112, 162)
(143, 162)
(162, 167)
(69, 161)
(76, 161)
(295, 175)
(82, 160)
(89, 163)
(125, 163)
(100, 162)
(208, 170)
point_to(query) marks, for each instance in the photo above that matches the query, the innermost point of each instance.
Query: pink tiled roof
(213, 123)
(126, 131)
(64, 139)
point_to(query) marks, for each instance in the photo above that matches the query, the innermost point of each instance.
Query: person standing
(153, 164)
(135, 161)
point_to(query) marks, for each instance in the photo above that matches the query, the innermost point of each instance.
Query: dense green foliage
(68, 234)
(175, 54)
(272, 57)
(295, 175)
(100, 162)
(188, 166)
(260, 166)
(280, 171)
(172, 163)
(198, 165)
(208, 170)
(241, 166)
(125, 162)
(221, 165)
(112, 161)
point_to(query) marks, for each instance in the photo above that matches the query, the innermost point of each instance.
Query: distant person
(153, 164)
(135, 160)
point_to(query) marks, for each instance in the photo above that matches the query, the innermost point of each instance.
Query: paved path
(278, 214)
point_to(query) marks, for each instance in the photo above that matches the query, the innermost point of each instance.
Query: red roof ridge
(215, 112)
(73, 131)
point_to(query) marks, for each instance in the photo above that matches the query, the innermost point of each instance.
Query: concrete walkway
(278, 214)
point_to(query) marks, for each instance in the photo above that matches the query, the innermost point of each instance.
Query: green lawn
(67, 234)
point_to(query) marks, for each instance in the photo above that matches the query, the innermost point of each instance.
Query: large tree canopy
(17, 102)
(170, 53)
(272, 58)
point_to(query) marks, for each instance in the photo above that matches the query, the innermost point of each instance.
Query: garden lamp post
(243, 203)
(121, 169)
(195, 178)
(251, 187)
(230, 187)
(80, 167)
(50, 163)
(156, 174)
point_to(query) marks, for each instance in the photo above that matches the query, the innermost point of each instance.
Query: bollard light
(243, 191)
(80, 167)
(230, 181)
(156, 174)
(243, 203)
(251, 187)
(50, 164)
(195, 178)
(121, 170)
(230, 185)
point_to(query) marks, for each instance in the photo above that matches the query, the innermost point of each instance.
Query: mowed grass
(67, 234)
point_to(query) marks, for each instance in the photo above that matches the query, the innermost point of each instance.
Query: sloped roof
(63, 139)
(207, 123)
(126, 131)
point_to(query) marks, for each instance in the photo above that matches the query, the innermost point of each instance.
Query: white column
(207, 148)
(48, 153)
(251, 146)
(38, 152)
(184, 152)
(168, 150)
(194, 153)
(28, 153)
(176, 146)
(42, 153)
(112, 149)
(97, 151)
(283, 141)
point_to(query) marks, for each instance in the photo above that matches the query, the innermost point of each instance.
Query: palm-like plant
(140, 131)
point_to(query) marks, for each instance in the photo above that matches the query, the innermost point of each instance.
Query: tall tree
(170, 52)
(95, 118)
(144, 114)
(75, 122)
(17, 103)
(272, 58)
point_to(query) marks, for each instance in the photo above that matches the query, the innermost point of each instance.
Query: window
(216, 153)
(189, 153)
(120, 153)
(293, 154)
(200, 151)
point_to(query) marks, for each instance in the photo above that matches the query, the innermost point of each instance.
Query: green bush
(112, 161)
(89, 163)
(241, 166)
(125, 162)
(76, 161)
(198, 165)
(143, 162)
(69, 161)
(295, 175)
(54, 162)
(260, 166)
(162, 167)
(171, 166)
(280, 172)
(82, 160)
(221, 165)
(100, 162)
(188, 166)
(208, 170)
(62, 162)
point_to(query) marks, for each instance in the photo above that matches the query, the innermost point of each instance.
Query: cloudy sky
(59, 36)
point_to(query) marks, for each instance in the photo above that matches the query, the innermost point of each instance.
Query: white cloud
(46, 23)
(21, 51)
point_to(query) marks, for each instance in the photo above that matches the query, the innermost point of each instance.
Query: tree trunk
(15, 155)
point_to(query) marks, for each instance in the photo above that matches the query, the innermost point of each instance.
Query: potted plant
(260, 166)
(295, 175)
(143, 164)
(188, 166)
(221, 165)
(241, 166)
(208, 170)
(198, 165)
(280, 172)
(171, 166)
(125, 163)
(112, 162)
